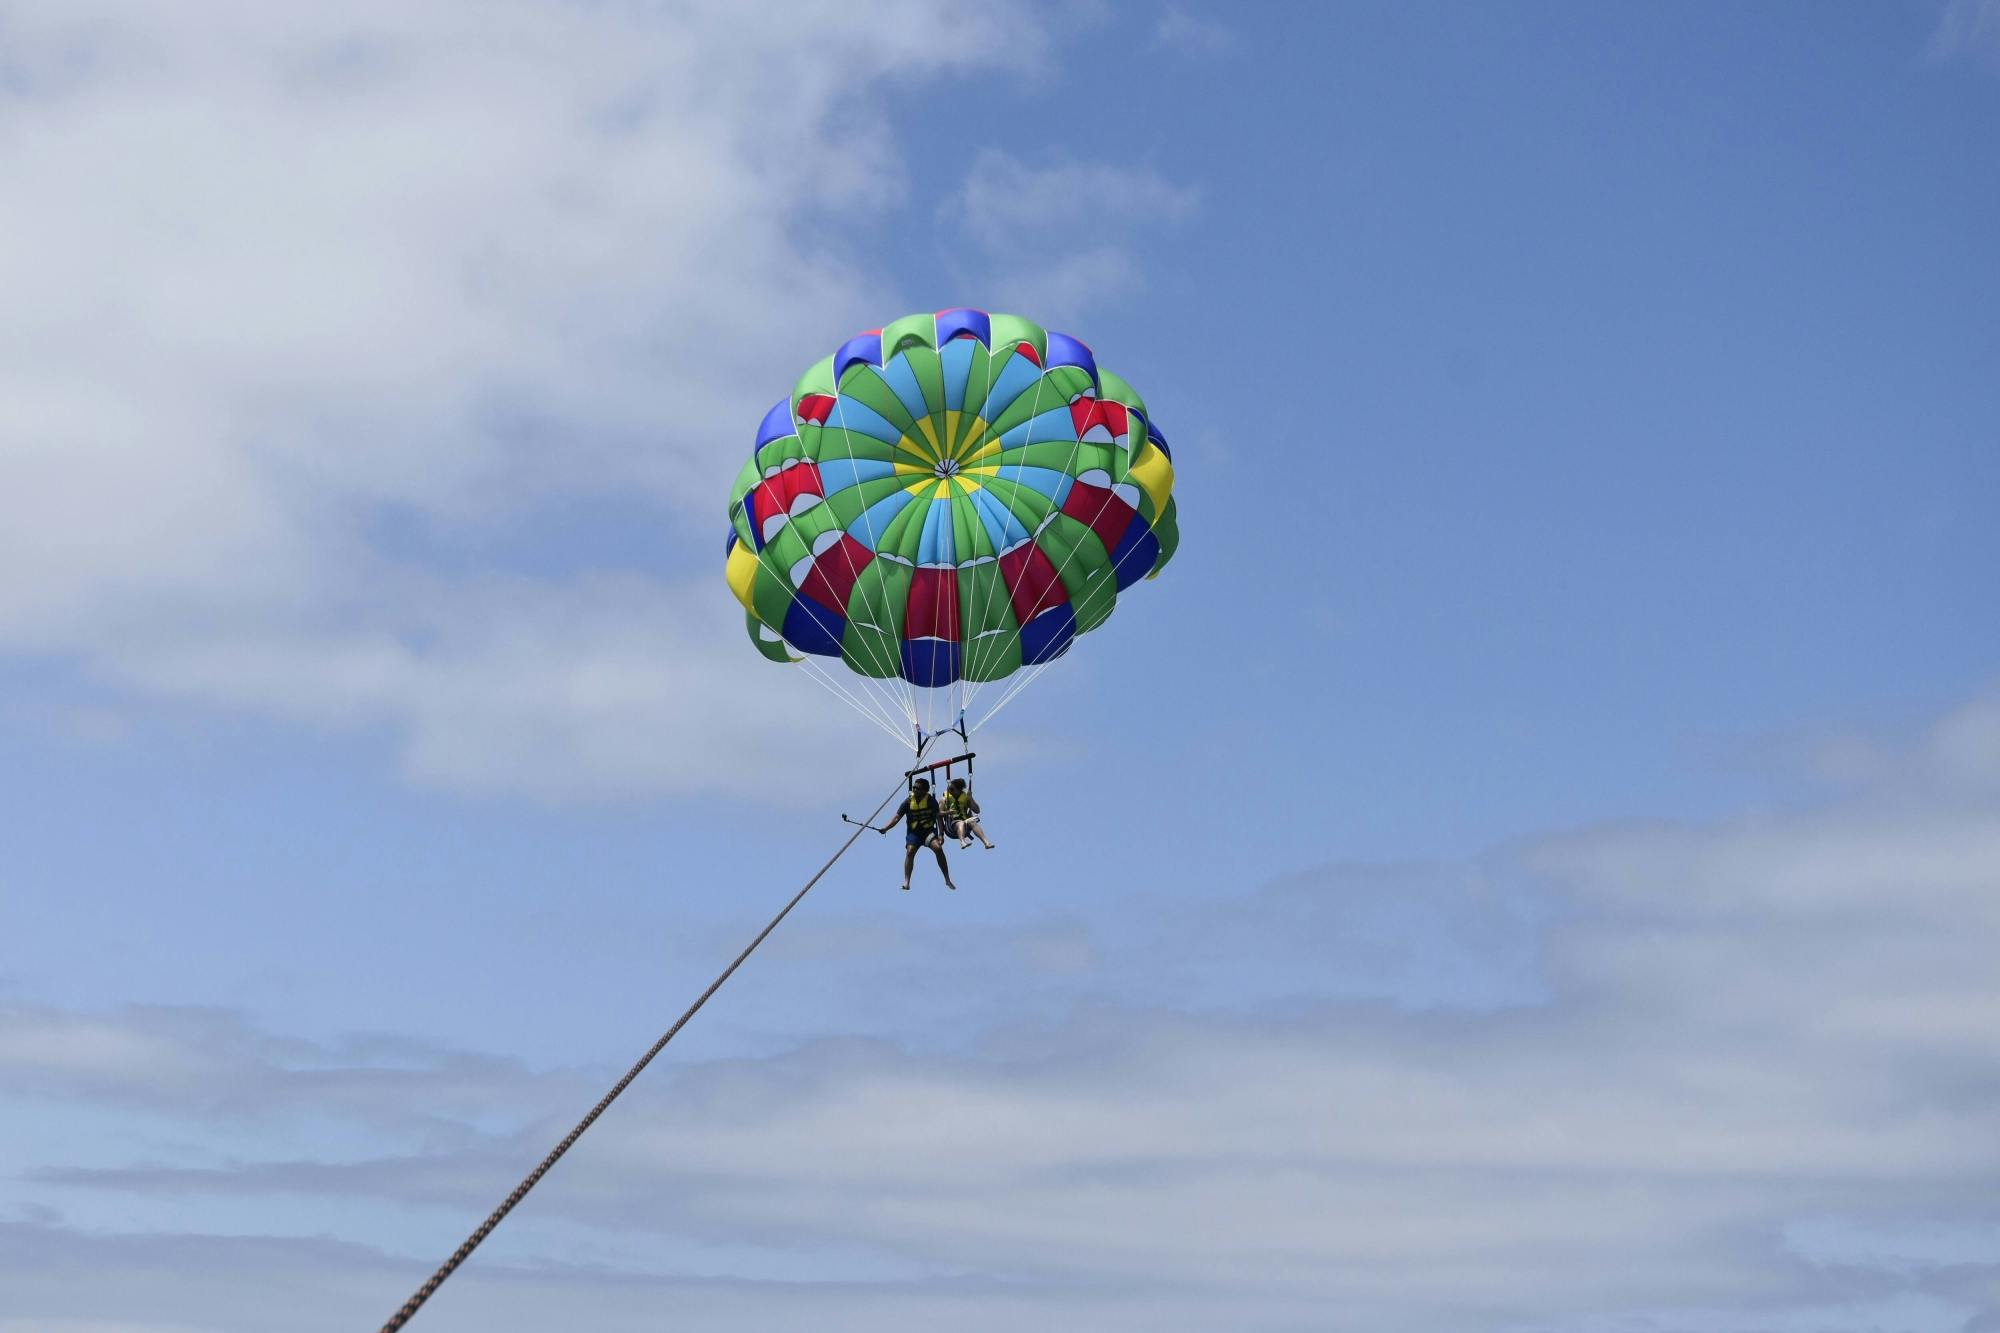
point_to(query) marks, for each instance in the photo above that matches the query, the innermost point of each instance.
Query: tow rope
(485, 1229)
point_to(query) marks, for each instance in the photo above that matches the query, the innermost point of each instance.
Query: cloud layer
(1747, 1095)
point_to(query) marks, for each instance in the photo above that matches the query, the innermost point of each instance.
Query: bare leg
(909, 863)
(944, 867)
(979, 833)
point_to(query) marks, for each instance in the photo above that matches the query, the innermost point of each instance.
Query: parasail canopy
(946, 503)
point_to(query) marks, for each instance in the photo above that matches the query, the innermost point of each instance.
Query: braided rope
(459, 1256)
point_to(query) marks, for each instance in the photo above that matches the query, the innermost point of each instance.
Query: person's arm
(972, 805)
(897, 818)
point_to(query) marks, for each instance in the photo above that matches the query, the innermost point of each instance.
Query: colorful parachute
(945, 502)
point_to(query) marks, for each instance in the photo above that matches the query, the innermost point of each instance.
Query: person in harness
(920, 814)
(961, 815)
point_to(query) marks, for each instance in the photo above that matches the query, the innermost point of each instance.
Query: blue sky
(1529, 864)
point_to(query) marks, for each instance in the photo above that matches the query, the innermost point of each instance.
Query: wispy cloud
(592, 687)
(210, 1064)
(1055, 239)
(1194, 34)
(1005, 199)
(1968, 28)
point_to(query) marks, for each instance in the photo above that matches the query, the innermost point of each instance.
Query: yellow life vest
(923, 812)
(958, 807)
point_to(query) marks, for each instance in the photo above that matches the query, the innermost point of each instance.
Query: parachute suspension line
(889, 706)
(869, 708)
(894, 703)
(1014, 689)
(868, 685)
(875, 710)
(459, 1256)
(875, 714)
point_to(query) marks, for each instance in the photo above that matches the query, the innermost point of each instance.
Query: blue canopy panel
(855, 415)
(1064, 350)
(861, 349)
(1016, 377)
(876, 518)
(777, 425)
(1137, 549)
(837, 474)
(1053, 426)
(811, 628)
(955, 362)
(957, 323)
(902, 382)
(1002, 528)
(936, 546)
(930, 663)
(1047, 636)
(1046, 480)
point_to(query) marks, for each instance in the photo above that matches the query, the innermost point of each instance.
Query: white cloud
(207, 1064)
(1005, 198)
(1750, 1097)
(1968, 28)
(90, 1326)
(1193, 34)
(324, 1287)
(1054, 240)
(595, 687)
(1965, 745)
(1898, 1246)
(273, 272)
(1957, 752)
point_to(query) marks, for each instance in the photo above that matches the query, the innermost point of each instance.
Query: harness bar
(965, 759)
